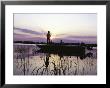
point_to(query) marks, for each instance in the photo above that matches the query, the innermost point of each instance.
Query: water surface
(27, 61)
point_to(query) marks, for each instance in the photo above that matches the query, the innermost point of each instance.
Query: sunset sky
(68, 27)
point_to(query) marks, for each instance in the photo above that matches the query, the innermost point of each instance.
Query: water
(27, 61)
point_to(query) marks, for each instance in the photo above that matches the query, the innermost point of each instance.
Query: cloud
(30, 35)
(81, 37)
(28, 31)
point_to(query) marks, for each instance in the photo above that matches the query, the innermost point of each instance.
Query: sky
(69, 27)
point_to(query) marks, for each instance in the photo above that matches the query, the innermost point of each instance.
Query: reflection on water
(27, 61)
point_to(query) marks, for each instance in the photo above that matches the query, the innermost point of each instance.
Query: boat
(67, 50)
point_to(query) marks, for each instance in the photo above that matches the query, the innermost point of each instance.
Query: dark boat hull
(62, 50)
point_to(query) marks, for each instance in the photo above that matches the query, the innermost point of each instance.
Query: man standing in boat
(48, 37)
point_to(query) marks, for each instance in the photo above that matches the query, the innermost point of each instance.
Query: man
(48, 37)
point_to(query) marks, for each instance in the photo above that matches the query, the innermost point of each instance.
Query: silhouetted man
(48, 37)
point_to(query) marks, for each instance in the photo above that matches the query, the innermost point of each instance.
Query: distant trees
(32, 42)
(25, 42)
